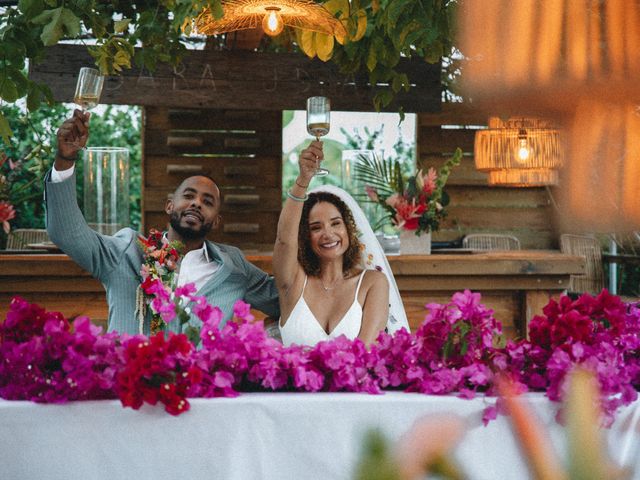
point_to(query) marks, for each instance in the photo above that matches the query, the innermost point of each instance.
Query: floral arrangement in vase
(415, 205)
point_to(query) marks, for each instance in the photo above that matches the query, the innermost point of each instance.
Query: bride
(332, 276)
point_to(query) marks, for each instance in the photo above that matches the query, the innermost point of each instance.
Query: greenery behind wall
(115, 127)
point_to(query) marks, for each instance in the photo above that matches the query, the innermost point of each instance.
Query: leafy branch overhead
(379, 33)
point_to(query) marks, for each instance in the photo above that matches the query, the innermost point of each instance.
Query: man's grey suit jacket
(116, 261)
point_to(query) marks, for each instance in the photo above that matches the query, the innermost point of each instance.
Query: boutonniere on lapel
(160, 259)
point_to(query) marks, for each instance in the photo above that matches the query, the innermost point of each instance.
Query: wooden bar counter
(515, 284)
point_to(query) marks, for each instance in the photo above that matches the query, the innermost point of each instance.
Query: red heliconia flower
(7, 213)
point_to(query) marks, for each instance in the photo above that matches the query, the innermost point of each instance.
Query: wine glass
(318, 113)
(88, 89)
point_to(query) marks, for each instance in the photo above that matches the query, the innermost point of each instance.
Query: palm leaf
(382, 174)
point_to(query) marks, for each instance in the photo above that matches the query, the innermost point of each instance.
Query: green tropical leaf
(377, 461)
(20, 81)
(382, 174)
(372, 59)
(216, 9)
(5, 129)
(70, 23)
(31, 8)
(120, 26)
(8, 89)
(52, 31)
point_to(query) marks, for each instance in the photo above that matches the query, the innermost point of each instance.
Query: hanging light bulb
(272, 22)
(523, 145)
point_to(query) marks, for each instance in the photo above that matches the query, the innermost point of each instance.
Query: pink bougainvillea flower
(242, 310)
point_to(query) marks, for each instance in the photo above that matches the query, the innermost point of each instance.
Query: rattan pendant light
(519, 152)
(273, 15)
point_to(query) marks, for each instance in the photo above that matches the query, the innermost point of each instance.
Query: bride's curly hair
(306, 256)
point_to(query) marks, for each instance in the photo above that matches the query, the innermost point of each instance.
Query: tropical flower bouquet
(415, 206)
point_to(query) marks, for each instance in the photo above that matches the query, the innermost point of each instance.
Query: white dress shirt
(195, 266)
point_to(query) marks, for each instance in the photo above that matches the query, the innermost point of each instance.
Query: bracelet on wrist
(301, 186)
(296, 198)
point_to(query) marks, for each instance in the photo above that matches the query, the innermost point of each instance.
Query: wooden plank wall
(240, 149)
(526, 213)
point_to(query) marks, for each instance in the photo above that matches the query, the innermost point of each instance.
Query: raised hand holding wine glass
(318, 122)
(88, 91)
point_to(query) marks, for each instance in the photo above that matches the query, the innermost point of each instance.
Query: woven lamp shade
(497, 151)
(520, 177)
(544, 55)
(246, 14)
(601, 184)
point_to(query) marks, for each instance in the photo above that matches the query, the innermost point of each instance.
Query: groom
(220, 272)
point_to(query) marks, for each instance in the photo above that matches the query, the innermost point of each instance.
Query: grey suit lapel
(223, 272)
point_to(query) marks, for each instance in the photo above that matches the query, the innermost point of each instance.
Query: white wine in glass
(86, 101)
(318, 121)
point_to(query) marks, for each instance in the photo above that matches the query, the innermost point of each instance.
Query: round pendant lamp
(519, 152)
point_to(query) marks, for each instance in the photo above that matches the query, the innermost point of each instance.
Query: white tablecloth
(260, 436)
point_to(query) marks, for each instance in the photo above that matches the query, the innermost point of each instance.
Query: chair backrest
(19, 238)
(490, 241)
(589, 248)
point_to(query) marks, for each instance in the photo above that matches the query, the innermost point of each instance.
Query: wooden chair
(589, 248)
(490, 241)
(19, 238)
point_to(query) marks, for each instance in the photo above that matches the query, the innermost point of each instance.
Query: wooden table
(516, 284)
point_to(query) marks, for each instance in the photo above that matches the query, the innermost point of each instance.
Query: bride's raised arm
(285, 250)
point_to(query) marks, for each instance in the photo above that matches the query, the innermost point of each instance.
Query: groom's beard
(189, 233)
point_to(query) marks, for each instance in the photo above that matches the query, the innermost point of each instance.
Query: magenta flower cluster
(600, 333)
(44, 358)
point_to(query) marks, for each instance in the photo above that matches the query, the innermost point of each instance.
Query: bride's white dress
(303, 328)
(372, 257)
